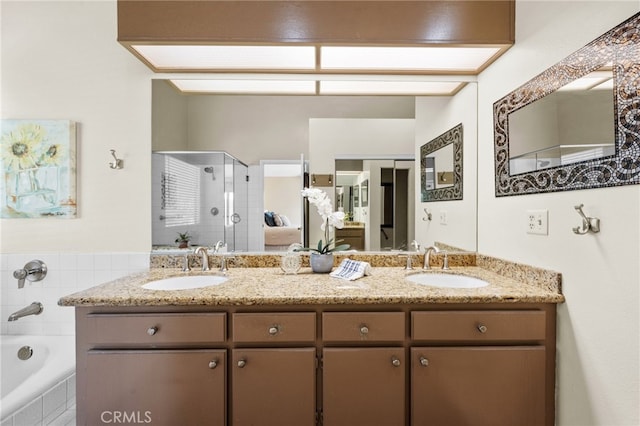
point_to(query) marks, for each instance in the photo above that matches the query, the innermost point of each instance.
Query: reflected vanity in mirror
(441, 167)
(575, 126)
(376, 219)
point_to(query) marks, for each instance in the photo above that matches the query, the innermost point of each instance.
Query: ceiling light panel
(283, 87)
(413, 88)
(406, 58)
(228, 57)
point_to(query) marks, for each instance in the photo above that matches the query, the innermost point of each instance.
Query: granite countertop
(269, 286)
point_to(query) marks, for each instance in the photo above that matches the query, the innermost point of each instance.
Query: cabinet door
(478, 386)
(160, 387)
(363, 386)
(273, 387)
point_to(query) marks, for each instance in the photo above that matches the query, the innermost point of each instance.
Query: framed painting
(38, 169)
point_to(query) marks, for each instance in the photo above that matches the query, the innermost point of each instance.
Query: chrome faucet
(35, 308)
(202, 251)
(427, 256)
(415, 245)
(217, 247)
(33, 271)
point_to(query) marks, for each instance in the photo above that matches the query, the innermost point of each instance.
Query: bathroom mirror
(441, 167)
(177, 115)
(550, 137)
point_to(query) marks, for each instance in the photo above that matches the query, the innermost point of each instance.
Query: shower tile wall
(67, 273)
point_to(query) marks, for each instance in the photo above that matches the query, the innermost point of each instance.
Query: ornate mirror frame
(620, 47)
(449, 193)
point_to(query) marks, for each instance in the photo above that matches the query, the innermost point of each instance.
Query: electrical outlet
(443, 217)
(538, 222)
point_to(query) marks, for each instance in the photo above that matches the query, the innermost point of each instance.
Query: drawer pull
(423, 361)
(395, 362)
(242, 363)
(213, 364)
(152, 331)
(274, 330)
(364, 329)
(482, 328)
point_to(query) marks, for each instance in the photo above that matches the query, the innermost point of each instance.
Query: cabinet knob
(395, 362)
(274, 330)
(482, 328)
(213, 364)
(423, 361)
(242, 363)
(152, 330)
(364, 329)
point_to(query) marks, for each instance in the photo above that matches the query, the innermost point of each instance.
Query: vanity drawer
(156, 329)
(363, 326)
(478, 325)
(274, 327)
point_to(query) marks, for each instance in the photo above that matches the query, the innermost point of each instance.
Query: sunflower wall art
(38, 169)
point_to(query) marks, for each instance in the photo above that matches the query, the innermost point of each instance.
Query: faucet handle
(408, 266)
(445, 262)
(223, 262)
(33, 271)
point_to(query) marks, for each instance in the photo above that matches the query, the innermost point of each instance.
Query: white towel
(351, 270)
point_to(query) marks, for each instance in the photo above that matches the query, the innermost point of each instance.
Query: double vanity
(471, 345)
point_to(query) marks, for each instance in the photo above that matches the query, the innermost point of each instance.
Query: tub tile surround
(66, 273)
(55, 407)
(265, 284)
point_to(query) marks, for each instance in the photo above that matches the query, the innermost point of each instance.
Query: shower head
(209, 169)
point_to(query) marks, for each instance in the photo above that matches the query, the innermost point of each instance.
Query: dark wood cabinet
(480, 386)
(159, 387)
(273, 387)
(331, 365)
(363, 386)
(352, 236)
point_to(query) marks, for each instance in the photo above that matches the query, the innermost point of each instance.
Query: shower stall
(201, 193)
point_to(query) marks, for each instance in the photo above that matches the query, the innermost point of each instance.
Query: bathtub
(53, 360)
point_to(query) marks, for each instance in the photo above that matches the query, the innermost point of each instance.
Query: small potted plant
(183, 239)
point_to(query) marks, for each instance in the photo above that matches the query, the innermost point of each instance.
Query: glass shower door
(236, 205)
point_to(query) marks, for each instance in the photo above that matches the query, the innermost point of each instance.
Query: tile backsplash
(66, 273)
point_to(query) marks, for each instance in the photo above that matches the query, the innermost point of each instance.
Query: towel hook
(428, 213)
(589, 224)
(116, 164)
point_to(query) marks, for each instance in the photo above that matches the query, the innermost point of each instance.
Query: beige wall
(254, 128)
(434, 116)
(60, 61)
(598, 326)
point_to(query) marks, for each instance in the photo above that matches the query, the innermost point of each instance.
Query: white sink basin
(447, 280)
(185, 283)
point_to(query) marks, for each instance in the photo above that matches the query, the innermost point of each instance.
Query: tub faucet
(35, 308)
(427, 256)
(202, 251)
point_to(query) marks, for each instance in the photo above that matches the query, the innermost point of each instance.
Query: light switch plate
(538, 222)
(443, 217)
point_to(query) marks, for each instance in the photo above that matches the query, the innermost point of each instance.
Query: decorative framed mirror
(441, 167)
(577, 124)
